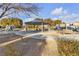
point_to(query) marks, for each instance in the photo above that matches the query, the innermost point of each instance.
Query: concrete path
(13, 41)
(51, 48)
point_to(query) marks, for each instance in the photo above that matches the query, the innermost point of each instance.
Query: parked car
(77, 29)
(73, 28)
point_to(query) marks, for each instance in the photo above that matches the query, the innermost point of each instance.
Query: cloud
(69, 17)
(55, 18)
(64, 15)
(59, 11)
(77, 19)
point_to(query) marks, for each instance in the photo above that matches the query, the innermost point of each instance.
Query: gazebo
(36, 25)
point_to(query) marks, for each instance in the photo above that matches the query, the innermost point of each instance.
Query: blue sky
(67, 12)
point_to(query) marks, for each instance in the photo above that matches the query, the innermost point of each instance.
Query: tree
(57, 22)
(7, 9)
(49, 21)
(11, 21)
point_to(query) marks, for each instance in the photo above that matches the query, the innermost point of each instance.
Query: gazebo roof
(35, 22)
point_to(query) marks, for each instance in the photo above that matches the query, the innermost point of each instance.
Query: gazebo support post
(42, 26)
(66, 26)
(48, 27)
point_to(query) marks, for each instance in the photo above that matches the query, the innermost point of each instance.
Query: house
(76, 24)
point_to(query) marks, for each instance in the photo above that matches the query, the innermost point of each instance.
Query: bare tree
(7, 9)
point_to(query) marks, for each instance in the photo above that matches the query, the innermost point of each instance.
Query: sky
(67, 12)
